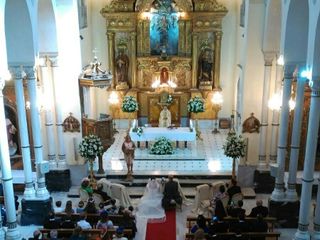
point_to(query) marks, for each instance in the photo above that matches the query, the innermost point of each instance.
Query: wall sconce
(217, 101)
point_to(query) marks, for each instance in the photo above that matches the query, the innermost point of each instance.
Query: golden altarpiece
(175, 40)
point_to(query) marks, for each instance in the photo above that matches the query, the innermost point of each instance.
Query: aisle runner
(163, 231)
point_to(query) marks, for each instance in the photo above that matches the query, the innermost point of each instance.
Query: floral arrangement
(162, 146)
(234, 146)
(138, 130)
(169, 99)
(129, 104)
(90, 147)
(196, 105)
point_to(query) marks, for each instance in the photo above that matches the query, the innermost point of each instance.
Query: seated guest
(128, 222)
(85, 185)
(259, 210)
(218, 196)
(237, 210)
(101, 207)
(131, 209)
(53, 234)
(51, 222)
(219, 210)
(201, 224)
(171, 195)
(68, 209)
(77, 234)
(241, 225)
(58, 208)
(121, 210)
(119, 234)
(83, 223)
(104, 222)
(233, 189)
(80, 208)
(90, 207)
(111, 208)
(100, 191)
(199, 235)
(217, 226)
(36, 235)
(67, 223)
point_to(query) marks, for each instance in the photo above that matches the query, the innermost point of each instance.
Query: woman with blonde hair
(199, 235)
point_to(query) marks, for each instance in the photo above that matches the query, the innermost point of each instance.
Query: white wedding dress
(149, 209)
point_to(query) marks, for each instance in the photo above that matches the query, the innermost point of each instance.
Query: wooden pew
(270, 220)
(248, 235)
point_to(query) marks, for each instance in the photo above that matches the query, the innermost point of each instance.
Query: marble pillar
(41, 191)
(111, 56)
(62, 164)
(291, 193)
(217, 56)
(133, 62)
(18, 75)
(45, 74)
(194, 60)
(278, 192)
(268, 57)
(275, 118)
(12, 231)
(309, 162)
(316, 223)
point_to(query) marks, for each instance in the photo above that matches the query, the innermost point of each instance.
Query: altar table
(174, 134)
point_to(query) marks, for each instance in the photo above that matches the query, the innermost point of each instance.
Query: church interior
(171, 119)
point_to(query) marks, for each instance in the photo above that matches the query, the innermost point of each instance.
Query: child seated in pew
(101, 207)
(80, 208)
(58, 208)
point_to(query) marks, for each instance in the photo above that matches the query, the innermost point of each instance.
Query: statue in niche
(251, 124)
(205, 65)
(165, 117)
(122, 64)
(164, 75)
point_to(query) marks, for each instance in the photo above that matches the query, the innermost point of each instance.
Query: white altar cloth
(175, 134)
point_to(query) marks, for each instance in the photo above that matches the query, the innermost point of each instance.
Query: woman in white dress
(149, 209)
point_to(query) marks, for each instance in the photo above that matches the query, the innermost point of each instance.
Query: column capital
(110, 35)
(218, 34)
(17, 72)
(43, 61)
(268, 58)
(133, 34)
(30, 71)
(289, 70)
(195, 35)
(54, 61)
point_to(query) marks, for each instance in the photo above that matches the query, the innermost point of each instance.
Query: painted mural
(164, 28)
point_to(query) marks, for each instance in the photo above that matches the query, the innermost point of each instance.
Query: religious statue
(128, 148)
(251, 124)
(165, 117)
(11, 131)
(122, 67)
(164, 75)
(205, 65)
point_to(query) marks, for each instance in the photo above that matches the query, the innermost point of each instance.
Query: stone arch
(47, 33)
(19, 33)
(296, 32)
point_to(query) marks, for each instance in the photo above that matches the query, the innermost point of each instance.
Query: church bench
(247, 235)
(93, 218)
(270, 220)
(90, 233)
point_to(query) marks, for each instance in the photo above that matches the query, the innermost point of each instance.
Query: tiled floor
(201, 158)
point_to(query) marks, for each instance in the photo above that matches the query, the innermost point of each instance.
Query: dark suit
(171, 192)
(262, 210)
(51, 224)
(235, 212)
(103, 194)
(233, 190)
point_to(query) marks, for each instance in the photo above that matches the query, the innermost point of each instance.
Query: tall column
(12, 232)
(275, 118)
(18, 75)
(268, 57)
(59, 124)
(44, 70)
(316, 224)
(291, 193)
(194, 60)
(133, 37)
(278, 192)
(217, 56)
(309, 161)
(42, 191)
(111, 54)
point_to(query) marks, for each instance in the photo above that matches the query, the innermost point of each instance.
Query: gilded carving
(182, 5)
(119, 6)
(208, 6)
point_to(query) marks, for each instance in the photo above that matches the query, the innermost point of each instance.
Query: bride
(149, 209)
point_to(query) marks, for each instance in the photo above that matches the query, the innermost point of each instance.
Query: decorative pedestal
(58, 180)
(122, 86)
(263, 181)
(35, 211)
(205, 86)
(287, 213)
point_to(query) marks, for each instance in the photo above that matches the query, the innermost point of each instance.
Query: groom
(171, 195)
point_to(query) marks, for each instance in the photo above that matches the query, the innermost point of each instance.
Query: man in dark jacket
(259, 210)
(171, 195)
(233, 189)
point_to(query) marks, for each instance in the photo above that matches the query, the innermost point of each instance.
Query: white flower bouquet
(162, 147)
(234, 146)
(196, 105)
(169, 99)
(138, 130)
(90, 147)
(129, 104)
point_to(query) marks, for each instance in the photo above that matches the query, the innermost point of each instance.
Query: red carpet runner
(163, 231)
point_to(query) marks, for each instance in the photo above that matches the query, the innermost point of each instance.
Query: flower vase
(198, 132)
(129, 120)
(234, 168)
(92, 178)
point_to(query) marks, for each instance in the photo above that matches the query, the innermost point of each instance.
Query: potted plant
(196, 105)
(129, 105)
(89, 148)
(234, 148)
